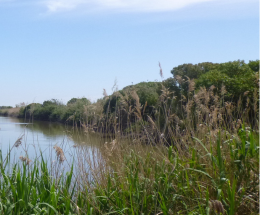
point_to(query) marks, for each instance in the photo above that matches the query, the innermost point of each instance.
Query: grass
(31, 189)
(172, 182)
(197, 155)
(219, 176)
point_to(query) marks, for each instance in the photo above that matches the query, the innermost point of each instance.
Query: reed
(191, 152)
(203, 161)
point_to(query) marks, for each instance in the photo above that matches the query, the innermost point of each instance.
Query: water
(40, 137)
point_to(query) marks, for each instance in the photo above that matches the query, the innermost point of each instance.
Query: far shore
(12, 112)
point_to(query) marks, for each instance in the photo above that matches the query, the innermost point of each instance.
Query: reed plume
(161, 72)
(59, 153)
(25, 160)
(105, 93)
(138, 106)
(217, 206)
(18, 142)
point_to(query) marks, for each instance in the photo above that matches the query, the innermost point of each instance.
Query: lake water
(40, 137)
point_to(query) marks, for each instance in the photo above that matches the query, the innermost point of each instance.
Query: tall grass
(207, 178)
(168, 181)
(199, 155)
(30, 189)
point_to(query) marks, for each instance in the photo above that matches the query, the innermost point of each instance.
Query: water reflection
(46, 128)
(40, 137)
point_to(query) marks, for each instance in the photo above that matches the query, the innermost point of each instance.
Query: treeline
(55, 111)
(5, 107)
(207, 112)
(214, 84)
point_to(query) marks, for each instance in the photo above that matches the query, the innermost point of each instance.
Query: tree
(236, 76)
(184, 72)
(83, 101)
(254, 65)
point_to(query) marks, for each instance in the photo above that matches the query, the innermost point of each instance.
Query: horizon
(65, 49)
(114, 90)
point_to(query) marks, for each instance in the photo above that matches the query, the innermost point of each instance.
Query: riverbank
(187, 145)
(214, 175)
(11, 112)
(204, 87)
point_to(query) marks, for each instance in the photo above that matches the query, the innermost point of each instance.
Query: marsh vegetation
(186, 145)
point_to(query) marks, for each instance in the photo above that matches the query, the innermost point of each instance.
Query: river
(40, 137)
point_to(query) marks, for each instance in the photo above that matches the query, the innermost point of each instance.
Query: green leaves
(236, 76)
(222, 169)
(32, 190)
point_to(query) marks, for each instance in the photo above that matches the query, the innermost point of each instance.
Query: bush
(236, 76)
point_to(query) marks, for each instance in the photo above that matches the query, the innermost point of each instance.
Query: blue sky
(73, 48)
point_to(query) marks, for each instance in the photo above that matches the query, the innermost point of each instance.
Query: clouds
(123, 5)
(53, 6)
(57, 5)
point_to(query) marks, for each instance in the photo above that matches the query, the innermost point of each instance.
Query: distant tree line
(235, 79)
(5, 107)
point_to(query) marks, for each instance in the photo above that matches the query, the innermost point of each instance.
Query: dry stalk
(217, 206)
(18, 142)
(161, 72)
(59, 153)
(25, 160)
(105, 93)
(151, 122)
(191, 84)
(179, 79)
(110, 147)
(138, 106)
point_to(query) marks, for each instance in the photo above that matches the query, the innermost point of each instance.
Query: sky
(76, 48)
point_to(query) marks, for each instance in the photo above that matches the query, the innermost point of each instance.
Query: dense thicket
(232, 81)
(54, 110)
(238, 77)
(207, 112)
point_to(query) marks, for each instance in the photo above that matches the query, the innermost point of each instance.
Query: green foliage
(172, 85)
(32, 190)
(5, 107)
(51, 110)
(54, 110)
(111, 103)
(182, 72)
(213, 77)
(254, 65)
(83, 101)
(193, 71)
(223, 172)
(211, 167)
(236, 76)
(75, 109)
(147, 92)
